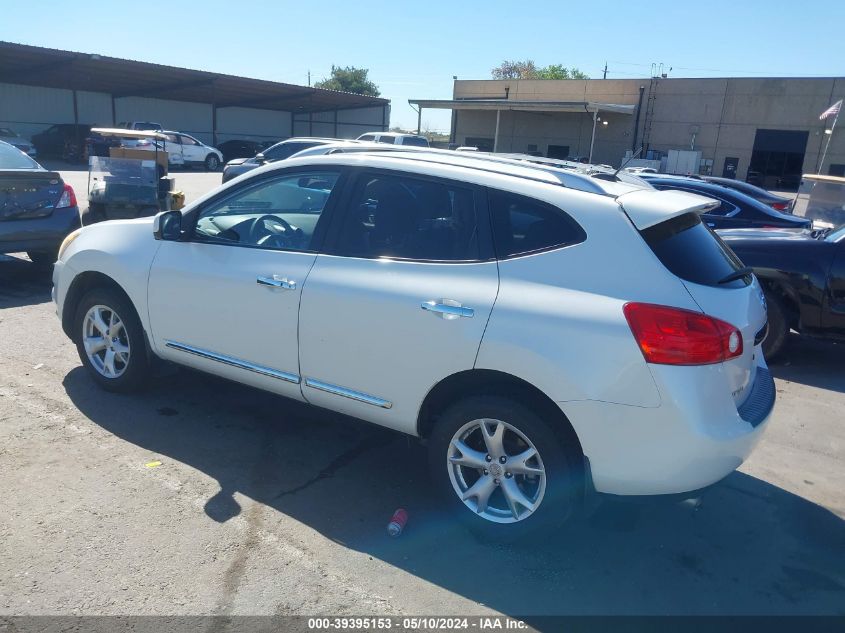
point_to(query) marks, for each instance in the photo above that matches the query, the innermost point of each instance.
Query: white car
(549, 332)
(183, 150)
(395, 138)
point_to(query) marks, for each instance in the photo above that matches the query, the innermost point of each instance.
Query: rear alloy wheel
(505, 480)
(501, 468)
(212, 162)
(110, 340)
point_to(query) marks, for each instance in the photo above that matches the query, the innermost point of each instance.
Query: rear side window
(385, 139)
(693, 252)
(525, 225)
(409, 218)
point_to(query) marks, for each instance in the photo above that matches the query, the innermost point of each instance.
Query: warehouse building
(768, 129)
(41, 87)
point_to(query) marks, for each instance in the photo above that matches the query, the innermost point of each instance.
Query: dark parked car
(37, 209)
(778, 203)
(64, 140)
(736, 210)
(239, 149)
(803, 276)
(279, 151)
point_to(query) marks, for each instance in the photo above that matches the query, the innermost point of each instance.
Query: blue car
(736, 209)
(37, 209)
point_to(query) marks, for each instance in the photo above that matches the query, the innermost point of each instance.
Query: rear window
(12, 158)
(690, 250)
(414, 140)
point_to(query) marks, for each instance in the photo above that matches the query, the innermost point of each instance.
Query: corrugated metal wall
(30, 109)
(350, 123)
(252, 124)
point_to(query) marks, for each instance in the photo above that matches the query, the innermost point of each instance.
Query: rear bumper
(694, 439)
(39, 234)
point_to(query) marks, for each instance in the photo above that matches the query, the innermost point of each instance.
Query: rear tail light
(779, 206)
(68, 198)
(672, 336)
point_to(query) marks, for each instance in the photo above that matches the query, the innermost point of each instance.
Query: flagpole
(829, 136)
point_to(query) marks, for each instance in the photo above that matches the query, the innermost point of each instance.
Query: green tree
(559, 71)
(349, 79)
(528, 70)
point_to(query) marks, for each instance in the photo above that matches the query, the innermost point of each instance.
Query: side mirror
(260, 157)
(167, 226)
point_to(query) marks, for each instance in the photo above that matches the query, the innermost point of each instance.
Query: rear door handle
(275, 282)
(447, 309)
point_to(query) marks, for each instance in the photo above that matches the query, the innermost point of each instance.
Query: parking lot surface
(200, 496)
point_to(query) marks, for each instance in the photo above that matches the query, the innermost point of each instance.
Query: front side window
(409, 218)
(525, 225)
(187, 140)
(386, 139)
(282, 213)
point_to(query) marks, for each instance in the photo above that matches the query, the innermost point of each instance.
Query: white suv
(549, 332)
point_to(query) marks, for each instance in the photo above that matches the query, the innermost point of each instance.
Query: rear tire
(778, 327)
(112, 348)
(514, 496)
(212, 162)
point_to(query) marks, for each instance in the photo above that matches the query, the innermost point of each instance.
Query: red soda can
(397, 522)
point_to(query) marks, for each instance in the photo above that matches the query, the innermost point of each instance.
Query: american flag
(831, 111)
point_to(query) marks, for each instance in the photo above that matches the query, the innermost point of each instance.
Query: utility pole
(605, 71)
(309, 78)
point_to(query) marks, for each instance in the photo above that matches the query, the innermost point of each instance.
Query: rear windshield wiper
(745, 271)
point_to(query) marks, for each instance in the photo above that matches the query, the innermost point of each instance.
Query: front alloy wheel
(496, 471)
(106, 341)
(110, 340)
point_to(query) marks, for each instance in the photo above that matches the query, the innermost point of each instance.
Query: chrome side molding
(348, 393)
(234, 362)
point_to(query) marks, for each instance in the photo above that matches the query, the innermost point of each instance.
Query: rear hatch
(28, 194)
(693, 252)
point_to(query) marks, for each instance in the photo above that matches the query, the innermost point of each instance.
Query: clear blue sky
(413, 49)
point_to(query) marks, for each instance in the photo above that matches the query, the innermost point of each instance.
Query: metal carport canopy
(525, 106)
(54, 68)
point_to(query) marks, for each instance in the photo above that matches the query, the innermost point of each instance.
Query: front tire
(501, 469)
(110, 340)
(212, 162)
(43, 258)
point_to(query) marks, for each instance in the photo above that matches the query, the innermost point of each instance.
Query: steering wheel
(271, 230)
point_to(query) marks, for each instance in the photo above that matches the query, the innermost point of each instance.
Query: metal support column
(496, 136)
(593, 137)
(419, 119)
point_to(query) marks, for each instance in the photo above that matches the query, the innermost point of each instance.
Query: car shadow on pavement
(811, 361)
(23, 283)
(748, 548)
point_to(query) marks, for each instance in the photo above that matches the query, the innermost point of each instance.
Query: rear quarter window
(523, 225)
(693, 252)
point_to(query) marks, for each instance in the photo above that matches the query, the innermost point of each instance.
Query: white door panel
(208, 310)
(363, 330)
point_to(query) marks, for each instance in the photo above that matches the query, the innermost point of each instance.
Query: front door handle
(447, 309)
(275, 282)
